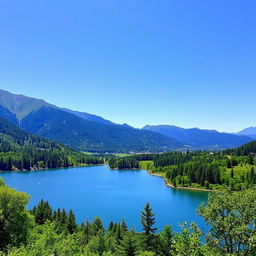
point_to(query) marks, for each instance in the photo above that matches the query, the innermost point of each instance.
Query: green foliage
(148, 221)
(42, 212)
(71, 222)
(165, 241)
(214, 171)
(25, 151)
(128, 246)
(188, 242)
(15, 220)
(232, 217)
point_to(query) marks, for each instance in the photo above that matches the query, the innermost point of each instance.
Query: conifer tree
(127, 246)
(71, 222)
(42, 212)
(148, 221)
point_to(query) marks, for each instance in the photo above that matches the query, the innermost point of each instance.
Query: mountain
(86, 135)
(198, 138)
(81, 131)
(250, 132)
(88, 117)
(7, 114)
(22, 150)
(20, 105)
(13, 138)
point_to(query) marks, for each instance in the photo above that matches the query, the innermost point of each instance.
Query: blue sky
(181, 62)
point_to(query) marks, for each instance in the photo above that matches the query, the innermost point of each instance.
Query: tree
(188, 241)
(127, 246)
(15, 220)
(86, 231)
(97, 244)
(232, 173)
(42, 212)
(232, 218)
(71, 222)
(97, 226)
(148, 221)
(124, 226)
(2, 183)
(165, 241)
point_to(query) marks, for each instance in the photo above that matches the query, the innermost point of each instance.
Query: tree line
(235, 168)
(21, 150)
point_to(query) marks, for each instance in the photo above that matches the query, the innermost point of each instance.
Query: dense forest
(21, 150)
(44, 231)
(234, 168)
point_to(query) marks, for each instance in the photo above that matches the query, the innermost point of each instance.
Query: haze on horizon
(189, 63)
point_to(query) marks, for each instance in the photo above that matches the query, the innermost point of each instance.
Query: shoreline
(181, 188)
(46, 169)
(148, 171)
(166, 182)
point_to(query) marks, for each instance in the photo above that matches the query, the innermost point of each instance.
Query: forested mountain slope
(22, 150)
(93, 136)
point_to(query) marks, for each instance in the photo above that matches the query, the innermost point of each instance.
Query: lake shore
(178, 187)
(169, 184)
(47, 169)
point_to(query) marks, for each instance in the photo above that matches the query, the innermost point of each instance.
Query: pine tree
(232, 173)
(71, 222)
(86, 232)
(124, 226)
(148, 221)
(42, 212)
(127, 246)
(97, 226)
(165, 241)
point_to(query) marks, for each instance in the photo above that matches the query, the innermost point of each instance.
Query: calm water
(110, 194)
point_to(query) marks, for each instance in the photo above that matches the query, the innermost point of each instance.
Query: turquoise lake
(110, 194)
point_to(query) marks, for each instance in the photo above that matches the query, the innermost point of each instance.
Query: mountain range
(81, 131)
(198, 138)
(87, 132)
(251, 132)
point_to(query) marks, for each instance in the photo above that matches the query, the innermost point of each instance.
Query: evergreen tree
(165, 241)
(148, 221)
(42, 212)
(86, 232)
(127, 246)
(97, 226)
(71, 222)
(124, 226)
(232, 173)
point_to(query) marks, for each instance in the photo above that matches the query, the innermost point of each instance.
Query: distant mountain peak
(200, 138)
(250, 131)
(20, 105)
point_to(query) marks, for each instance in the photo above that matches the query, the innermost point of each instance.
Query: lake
(110, 194)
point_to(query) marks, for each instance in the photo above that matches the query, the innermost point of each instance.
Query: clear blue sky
(183, 62)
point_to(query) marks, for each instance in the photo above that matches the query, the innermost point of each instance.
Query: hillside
(86, 135)
(22, 150)
(200, 139)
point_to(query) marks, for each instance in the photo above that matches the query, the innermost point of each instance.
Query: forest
(45, 231)
(20, 150)
(234, 168)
